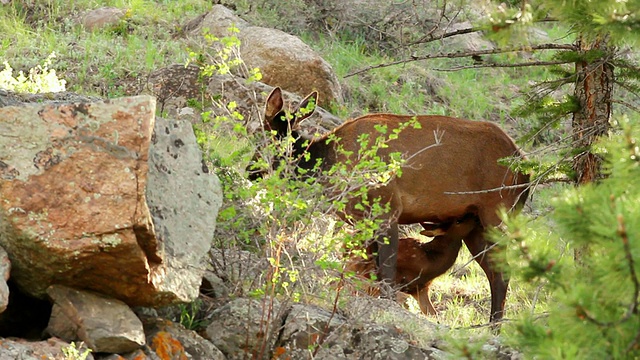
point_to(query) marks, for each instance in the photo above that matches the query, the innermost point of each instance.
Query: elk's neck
(316, 149)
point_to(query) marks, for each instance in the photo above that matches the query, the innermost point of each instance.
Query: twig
(334, 310)
(634, 343)
(624, 103)
(626, 87)
(437, 134)
(624, 236)
(431, 37)
(460, 54)
(486, 191)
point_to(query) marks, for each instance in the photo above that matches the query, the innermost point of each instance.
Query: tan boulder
(289, 63)
(216, 22)
(102, 17)
(284, 59)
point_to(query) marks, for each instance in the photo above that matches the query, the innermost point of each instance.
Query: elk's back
(444, 181)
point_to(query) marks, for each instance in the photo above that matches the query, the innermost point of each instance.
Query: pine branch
(502, 65)
(627, 87)
(634, 343)
(633, 307)
(624, 236)
(461, 54)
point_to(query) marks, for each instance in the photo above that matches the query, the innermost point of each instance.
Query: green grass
(100, 61)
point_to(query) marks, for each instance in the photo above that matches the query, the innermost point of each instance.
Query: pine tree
(604, 31)
(595, 305)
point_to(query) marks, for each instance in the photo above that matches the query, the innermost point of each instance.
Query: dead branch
(628, 105)
(461, 54)
(429, 37)
(502, 65)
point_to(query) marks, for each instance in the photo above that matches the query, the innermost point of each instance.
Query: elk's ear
(306, 108)
(273, 106)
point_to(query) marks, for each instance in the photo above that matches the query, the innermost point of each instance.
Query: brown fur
(438, 184)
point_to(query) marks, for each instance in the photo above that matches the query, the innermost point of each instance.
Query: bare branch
(461, 54)
(437, 134)
(627, 87)
(429, 37)
(634, 343)
(624, 103)
(486, 191)
(501, 65)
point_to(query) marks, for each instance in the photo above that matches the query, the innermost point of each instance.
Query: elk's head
(280, 125)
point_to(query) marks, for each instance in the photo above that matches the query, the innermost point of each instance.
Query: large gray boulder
(85, 200)
(183, 198)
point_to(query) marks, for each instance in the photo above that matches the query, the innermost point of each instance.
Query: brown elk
(451, 168)
(419, 263)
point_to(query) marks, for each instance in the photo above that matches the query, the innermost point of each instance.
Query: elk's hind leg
(481, 250)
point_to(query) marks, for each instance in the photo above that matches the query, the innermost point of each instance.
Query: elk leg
(424, 301)
(478, 247)
(388, 258)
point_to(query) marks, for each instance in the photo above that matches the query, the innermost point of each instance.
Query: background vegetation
(564, 309)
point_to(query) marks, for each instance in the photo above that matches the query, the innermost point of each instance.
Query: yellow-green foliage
(39, 79)
(74, 351)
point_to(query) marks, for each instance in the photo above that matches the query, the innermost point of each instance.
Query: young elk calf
(451, 166)
(419, 262)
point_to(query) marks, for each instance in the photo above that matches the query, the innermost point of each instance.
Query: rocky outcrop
(252, 328)
(77, 193)
(246, 328)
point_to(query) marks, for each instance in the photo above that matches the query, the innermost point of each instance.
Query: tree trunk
(593, 91)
